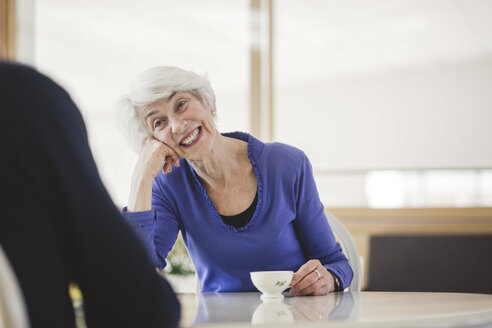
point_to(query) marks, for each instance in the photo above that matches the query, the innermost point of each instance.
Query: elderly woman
(242, 205)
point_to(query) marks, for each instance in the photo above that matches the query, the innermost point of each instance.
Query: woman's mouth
(191, 138)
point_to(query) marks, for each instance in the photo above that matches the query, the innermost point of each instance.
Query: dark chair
(430, 263)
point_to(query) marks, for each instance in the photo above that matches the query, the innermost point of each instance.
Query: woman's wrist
(338, 285)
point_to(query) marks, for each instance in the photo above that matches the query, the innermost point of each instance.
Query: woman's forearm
(140, 193)
(155, 157)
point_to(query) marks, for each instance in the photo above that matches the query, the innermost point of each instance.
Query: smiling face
(182, 123)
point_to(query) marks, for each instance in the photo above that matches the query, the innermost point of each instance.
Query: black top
(241, 219)
(58, 223)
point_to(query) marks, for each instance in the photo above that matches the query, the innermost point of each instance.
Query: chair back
(349, 249)
(13, 312)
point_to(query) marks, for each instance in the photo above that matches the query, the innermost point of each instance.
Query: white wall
(24, 12)
(403, 84)
(429, 116)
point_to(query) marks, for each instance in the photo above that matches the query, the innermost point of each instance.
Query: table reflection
(334, 306)
(357, 309)
(248, 307)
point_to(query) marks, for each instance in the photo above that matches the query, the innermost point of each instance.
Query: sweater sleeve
(143, 224)
(157, 228)
(313, 230)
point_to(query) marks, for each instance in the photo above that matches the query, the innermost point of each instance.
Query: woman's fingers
(167, 167)
(311, 284)
(168, 164)
(174, 158)
(303, 271)
(171, 157)
(312, 279)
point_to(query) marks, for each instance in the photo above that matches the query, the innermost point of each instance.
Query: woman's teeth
(191, 138)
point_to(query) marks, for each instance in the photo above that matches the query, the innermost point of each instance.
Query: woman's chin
(200, 155)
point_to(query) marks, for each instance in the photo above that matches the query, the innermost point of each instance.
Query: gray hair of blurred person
(152, 85)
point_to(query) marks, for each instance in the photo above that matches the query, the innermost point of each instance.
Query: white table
(364, 309)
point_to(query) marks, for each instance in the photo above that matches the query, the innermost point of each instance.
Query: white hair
(152, 85)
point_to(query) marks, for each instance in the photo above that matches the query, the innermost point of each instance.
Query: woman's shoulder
(258, 149)
(281, 152)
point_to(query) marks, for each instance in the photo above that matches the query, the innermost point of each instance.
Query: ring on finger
(319, 274)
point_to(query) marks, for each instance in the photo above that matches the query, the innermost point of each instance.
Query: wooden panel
(445, 213)
(6, 29)
(364, 222)
(261, 65)
(3, 29)
(255, 66)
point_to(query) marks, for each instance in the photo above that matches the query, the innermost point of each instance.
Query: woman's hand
(155, 156)
(312, 279)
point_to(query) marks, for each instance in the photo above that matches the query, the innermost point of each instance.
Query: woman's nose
(178, 125)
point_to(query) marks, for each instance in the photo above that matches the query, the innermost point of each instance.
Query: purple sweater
(288, 227)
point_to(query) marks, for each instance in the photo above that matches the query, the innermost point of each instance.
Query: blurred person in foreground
(58, 223)
(242, 205)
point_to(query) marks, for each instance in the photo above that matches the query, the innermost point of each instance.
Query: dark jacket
(58, 223)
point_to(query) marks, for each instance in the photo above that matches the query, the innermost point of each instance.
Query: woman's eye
(181, 104)
(159, 123)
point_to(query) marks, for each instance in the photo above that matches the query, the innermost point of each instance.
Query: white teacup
(271, 283)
